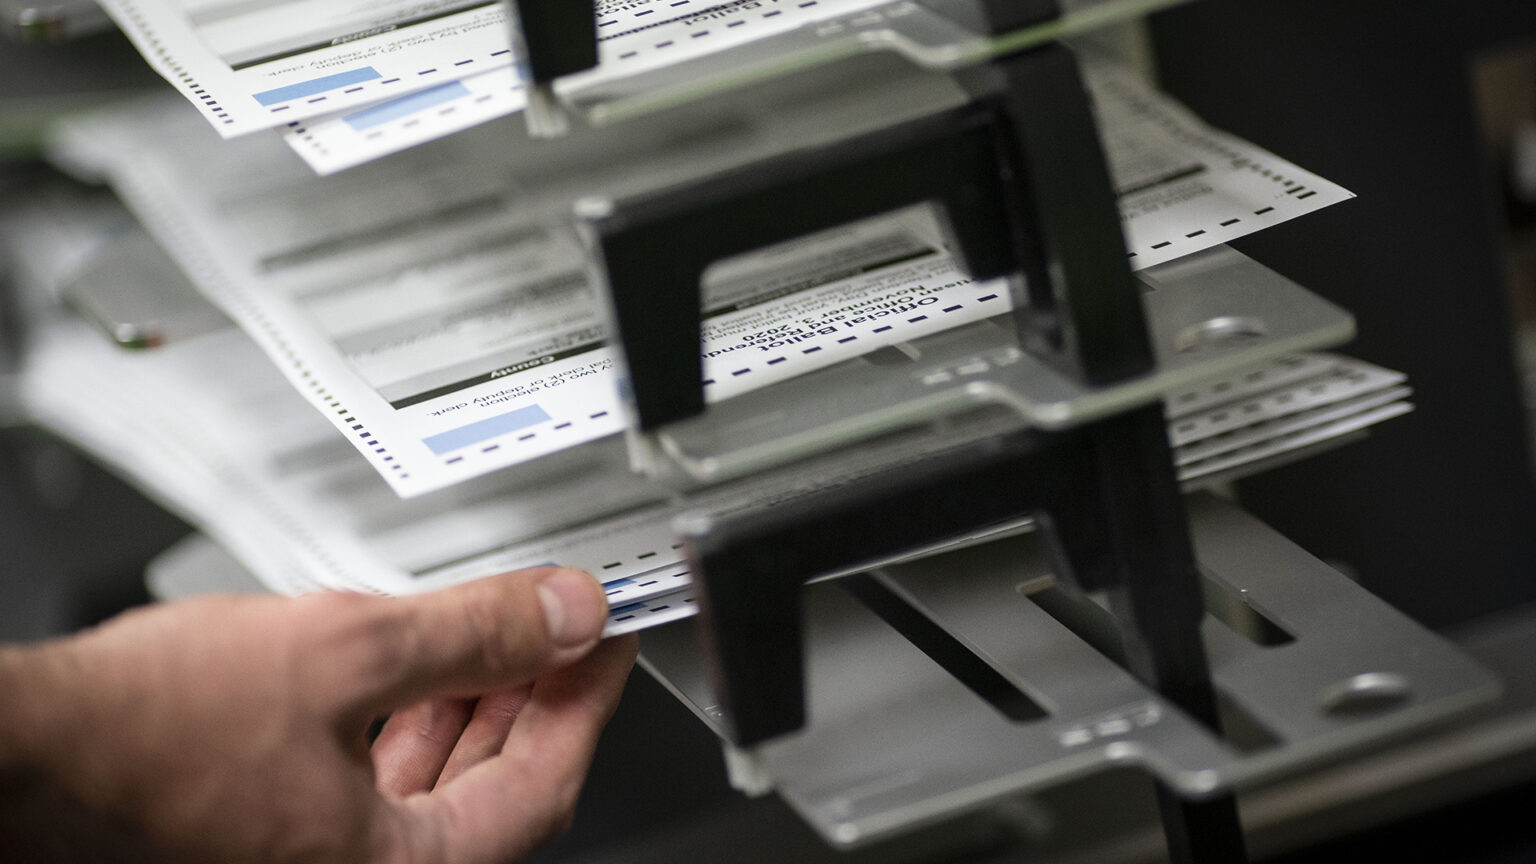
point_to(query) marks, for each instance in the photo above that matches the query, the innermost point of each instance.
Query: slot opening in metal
(1096, 626)
(1230, 606)
(979, 676)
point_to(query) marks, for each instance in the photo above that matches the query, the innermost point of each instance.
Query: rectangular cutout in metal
(944, 649)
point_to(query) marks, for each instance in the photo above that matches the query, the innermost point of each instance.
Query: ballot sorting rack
(1016, 177)
(958, 448)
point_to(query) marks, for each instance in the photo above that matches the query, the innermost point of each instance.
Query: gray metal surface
(135, 294)
(894, 742)
(934, 34)
(1209, 314)
(51, 20)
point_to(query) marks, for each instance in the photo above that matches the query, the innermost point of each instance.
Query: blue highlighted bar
(316, 85)
(618, 583)
(485, 430)
(620, 610)
(405, 106)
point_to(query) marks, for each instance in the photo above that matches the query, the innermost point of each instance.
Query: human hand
(232, 729)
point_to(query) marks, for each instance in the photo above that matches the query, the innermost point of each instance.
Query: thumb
(464, 640)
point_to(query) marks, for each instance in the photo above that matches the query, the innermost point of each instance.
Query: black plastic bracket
(1106, 498)
(1017, 177)
(1077, 304)
(1104, 493)
(555, 38)
(654, 250)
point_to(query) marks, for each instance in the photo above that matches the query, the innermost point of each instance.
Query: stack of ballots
(346, 83)
(407, 382)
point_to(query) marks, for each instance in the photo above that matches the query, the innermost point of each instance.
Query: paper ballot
(438, 312)
(213, 431)
(448, 329)
(251, 66)
(215, 435)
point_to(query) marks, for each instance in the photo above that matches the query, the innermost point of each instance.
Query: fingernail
(573, 612)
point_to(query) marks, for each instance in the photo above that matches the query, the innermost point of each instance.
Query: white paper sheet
(445, 340)
(250, 66)
(211, 430)
(207, 428)
(415, 306)
(1183, 186)
(214, 434)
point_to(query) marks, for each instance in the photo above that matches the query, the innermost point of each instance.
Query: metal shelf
(1209, 314)
(894, 741)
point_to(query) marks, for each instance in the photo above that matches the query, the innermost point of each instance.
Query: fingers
(506, 806)
(486, 731)
(416, 742)
(461, 641)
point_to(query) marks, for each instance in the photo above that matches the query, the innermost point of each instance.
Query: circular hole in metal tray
(1221, 332)
(1366, 693)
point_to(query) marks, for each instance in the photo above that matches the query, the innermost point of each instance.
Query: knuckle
(501, 638)
(436, 724)
(356, 640)
(562, 812)
(502, 712)
(409, 838)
